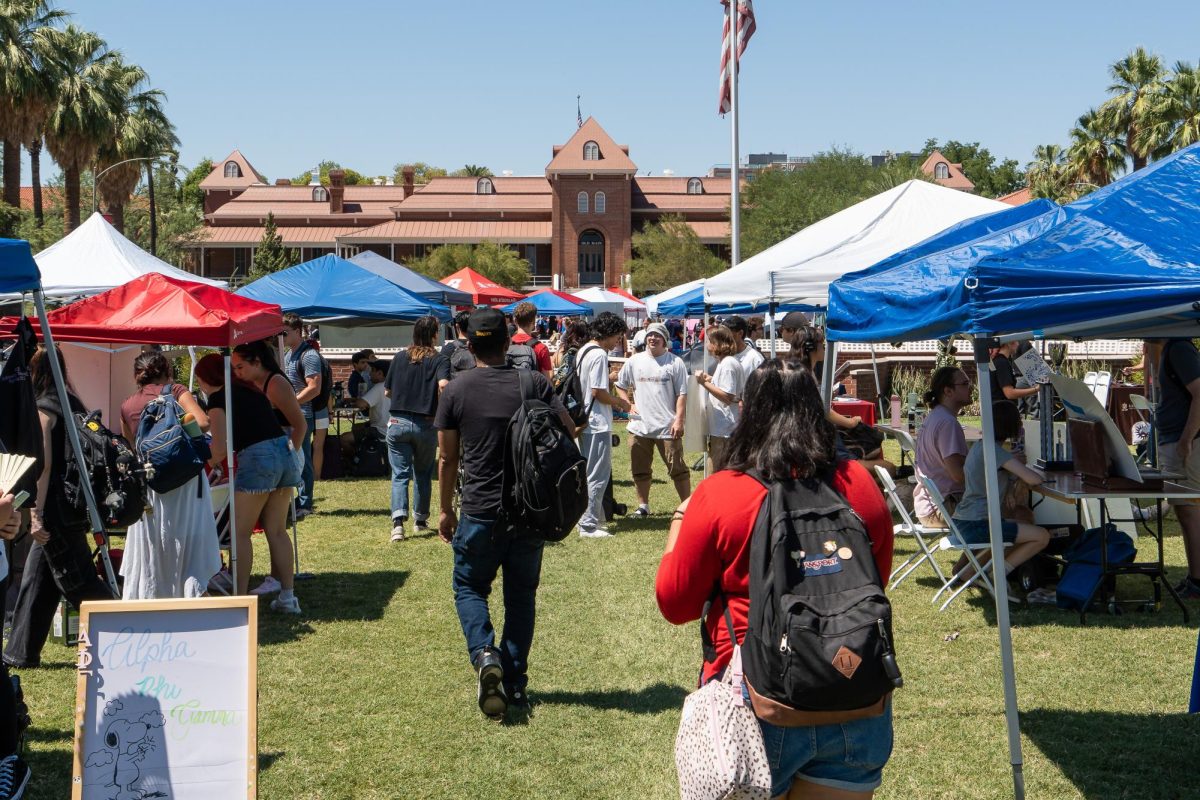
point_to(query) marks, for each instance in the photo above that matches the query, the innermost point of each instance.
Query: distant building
(574, 224)
(1018, 198)
(936, 165)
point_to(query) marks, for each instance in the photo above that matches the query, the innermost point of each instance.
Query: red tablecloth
(856, 408)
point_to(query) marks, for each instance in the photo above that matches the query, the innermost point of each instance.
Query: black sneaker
(14, 777)
(517, 699)
(1188, 589)
(492, 700)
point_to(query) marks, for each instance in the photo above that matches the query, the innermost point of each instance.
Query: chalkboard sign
(166, 699)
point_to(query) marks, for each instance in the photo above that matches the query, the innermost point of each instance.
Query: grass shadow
(332, 597)
(652, 699)
(349, 512)
(268, 759)
(1156, 753)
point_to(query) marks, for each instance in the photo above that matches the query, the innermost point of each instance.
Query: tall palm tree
(83, 116)
(142, 130)
(1177, 115)
(1096, 153)
(26, 80)
(1049, 173)
(1137, 83)
(35, 175)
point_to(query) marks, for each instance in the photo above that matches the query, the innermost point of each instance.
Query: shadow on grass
(1156, 753)
(332, 597)
(34, 734)
(652, 699)
(267, 760)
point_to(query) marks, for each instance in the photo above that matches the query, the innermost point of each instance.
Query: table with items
(1072, 488)
(852, 407)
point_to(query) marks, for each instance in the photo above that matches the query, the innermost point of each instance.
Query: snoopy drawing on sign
(125, 747)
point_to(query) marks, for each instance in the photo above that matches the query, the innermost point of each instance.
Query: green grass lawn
(369, 694)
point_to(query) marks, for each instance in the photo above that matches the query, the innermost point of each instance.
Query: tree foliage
(190, 192)
(472, 171)
(422, 172)
(271, 256)
(494, 261)
(980, 167)
(353, 177)
(668, 253)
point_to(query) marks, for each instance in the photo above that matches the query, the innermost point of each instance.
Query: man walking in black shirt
(472, 416)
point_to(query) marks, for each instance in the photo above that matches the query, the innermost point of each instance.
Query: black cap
(795, 320)
(486, 323)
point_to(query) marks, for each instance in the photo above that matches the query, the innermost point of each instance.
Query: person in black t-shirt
(473, 417)
(456, 350)
(1004, 375)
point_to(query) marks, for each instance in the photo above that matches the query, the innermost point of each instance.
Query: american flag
(745, 31)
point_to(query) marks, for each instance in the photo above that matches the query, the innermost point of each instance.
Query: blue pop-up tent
(551, 305)
(414, 282)
(18, 270)
(334, 287)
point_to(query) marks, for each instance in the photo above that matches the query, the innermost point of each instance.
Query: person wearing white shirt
(374, 401)
(744, 352)
(724, 389)
(658, 379)
(595, 439)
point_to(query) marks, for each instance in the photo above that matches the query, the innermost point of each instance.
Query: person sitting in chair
(374, 401)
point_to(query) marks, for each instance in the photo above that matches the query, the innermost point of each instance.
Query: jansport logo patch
(822, 566)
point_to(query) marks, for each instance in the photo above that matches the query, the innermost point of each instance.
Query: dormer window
(485, 186)
(591, 151)
(320, 195)
(941, 171)
(581, 203)
(695, 186)
(232, 170)
(600, 202)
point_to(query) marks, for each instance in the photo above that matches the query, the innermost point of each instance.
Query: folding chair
(1100, 383)
(955, 542)
(907, 447)
(908, 528)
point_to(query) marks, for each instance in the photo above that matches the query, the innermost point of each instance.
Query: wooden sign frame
(84, 671)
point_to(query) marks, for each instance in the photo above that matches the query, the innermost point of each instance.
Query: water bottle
(190, 426)
(895, 411)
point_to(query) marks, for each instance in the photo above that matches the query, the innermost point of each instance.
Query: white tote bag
(719, 751)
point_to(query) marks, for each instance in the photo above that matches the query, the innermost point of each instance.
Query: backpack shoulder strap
(707, 645)
(525, 377)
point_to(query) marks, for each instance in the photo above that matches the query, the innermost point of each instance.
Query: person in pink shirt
(941, 445)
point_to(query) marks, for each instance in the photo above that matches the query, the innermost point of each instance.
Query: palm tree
(1136, 87)
(26, 80)
(1096, 153)
(1177, 115)
(83, 116)
(475, 171)
(35, 175)
(1049, 173)
(142, 131)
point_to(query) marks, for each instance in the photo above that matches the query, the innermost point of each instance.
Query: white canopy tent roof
(597, 295)
(95, 258)
(800, 268)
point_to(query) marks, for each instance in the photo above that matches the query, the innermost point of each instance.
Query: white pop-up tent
(799, 269)
(94, 258)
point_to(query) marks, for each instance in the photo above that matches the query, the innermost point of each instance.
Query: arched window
(941, 171)
(695, 186)
(484, 186)
(232, 170)
(591, 151)
(582, 203)
(320, 195)
(600, 202)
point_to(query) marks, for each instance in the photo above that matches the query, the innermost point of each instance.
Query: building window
(241, 260)
(531, 257)
(695, 186)
(600, 202)
(591, 151)
(484, 186)
(232, 170)
(581, 203)
(941, 171)
(591, 259)
(320, 195)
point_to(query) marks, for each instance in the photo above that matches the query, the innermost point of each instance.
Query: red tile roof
(711, 232)
(504, 184)
(673, 185)
(217, 180)
(475, 202)
(51, 195)
(250, 235)
(1018, 198)
(568, 158)
(255, 210)
(445, 231)
(957, 179)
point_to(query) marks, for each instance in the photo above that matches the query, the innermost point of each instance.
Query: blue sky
(449, 82)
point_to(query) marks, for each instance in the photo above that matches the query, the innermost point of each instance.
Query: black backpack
(370, 456)
(567, 386)
(521, 356)
(321, 401)
(544, 484)
(461, 358)
(819, 630)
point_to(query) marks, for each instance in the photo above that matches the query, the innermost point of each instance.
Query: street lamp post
(153, 221)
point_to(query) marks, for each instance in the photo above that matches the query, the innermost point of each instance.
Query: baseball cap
(486, 322)
(795, 319)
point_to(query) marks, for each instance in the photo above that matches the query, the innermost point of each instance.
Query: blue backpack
(163, 444)
(1081, 576)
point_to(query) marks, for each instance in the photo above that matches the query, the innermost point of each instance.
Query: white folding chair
(908, 527)
(907, 447)
(954, 542)
(1100, 383)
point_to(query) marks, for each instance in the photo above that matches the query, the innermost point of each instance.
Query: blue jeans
(307, 475)
(848, 756)
(412, 453)
(480, 549)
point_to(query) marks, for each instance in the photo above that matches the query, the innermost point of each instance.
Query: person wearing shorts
(1179, 383)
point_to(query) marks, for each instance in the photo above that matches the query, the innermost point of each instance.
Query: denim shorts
(266, 466)
(321, 420)
(849, 756)
(975, 531)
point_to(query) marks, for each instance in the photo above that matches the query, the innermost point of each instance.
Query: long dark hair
(575, 336)
(783, 431)
(41, 374)
(424, 329)
(260, 352)
(943, 379)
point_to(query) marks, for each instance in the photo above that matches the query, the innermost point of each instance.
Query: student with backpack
(733, 533)
(456, 350)
(473, 420)
(172, 551)
(302, 367)
(595, 440)
(60, 560)
(533, 353)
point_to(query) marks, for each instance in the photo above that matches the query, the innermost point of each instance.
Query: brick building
(574, 224)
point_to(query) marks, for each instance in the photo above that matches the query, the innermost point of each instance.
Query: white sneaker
(289, 606)
(268, 586)
(642, 511)
(595, 533)
(398, 533)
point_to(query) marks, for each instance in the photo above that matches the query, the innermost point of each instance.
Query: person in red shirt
(784, 430)
(525, 315)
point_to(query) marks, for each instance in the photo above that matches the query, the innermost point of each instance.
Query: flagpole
(735, 222)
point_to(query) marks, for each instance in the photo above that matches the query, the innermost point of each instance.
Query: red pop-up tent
(483, 291)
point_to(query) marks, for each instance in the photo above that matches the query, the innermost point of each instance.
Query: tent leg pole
(827, 372)
(771, 324)
(704, 358)
(230, 458)
(999, 576)
(878, 387)
(60, 385)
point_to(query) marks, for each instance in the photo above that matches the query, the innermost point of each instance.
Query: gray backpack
(522, 356)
